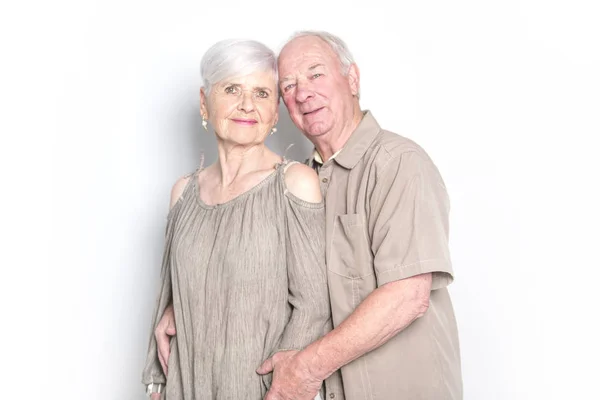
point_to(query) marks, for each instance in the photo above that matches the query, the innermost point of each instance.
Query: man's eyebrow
(315, 66)
(289, 78)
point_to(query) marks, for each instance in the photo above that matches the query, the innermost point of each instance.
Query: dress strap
(192, 183)
(283, 166)
(200, 167)
(287, 149)
(287, 163)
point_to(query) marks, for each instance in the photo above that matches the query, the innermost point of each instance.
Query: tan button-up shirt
(386, 220)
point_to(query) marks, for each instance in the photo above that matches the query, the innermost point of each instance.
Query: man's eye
(315, 76)
(288, 87)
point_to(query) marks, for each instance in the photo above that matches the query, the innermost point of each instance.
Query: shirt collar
(318, 159)
(359, 141)
(356, 146)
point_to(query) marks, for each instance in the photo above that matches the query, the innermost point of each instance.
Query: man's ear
(354, 79)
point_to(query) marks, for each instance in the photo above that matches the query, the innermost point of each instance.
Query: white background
(99, 118)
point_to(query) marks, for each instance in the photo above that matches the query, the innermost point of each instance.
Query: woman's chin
(243, 140)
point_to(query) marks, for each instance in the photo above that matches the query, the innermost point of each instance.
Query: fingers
(163, 364)
(271, 395)
(164, 349)
(265, 368)
(169, 312)
(163, 332)
(171, 331)
(164, 353)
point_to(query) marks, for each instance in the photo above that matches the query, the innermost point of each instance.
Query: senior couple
(282, 280)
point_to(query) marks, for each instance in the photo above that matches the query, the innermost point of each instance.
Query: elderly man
(388, 262)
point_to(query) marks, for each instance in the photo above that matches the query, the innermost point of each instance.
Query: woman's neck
(235, 161)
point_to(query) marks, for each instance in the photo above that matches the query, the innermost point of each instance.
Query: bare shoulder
(303, 182)
(178, 188)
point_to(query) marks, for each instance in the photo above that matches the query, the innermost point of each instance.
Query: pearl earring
(205, 124)
(273, 130)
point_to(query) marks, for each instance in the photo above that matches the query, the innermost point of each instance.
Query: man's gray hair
(235, 57)
(337, 45)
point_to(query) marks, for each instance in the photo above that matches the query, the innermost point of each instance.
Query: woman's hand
(163, 333)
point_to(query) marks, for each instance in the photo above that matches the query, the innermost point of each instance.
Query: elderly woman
(244, 263)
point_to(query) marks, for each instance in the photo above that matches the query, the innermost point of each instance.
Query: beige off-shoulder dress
(246, 278)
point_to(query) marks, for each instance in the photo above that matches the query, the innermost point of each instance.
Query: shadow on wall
(287, 134)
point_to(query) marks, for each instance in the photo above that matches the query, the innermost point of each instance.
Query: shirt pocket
(350, 251)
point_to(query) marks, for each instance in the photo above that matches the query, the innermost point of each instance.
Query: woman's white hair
(235, 57)
(337, 45)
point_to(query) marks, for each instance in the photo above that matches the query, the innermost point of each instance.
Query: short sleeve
(408, 221)
(307, 279)
(153, 372)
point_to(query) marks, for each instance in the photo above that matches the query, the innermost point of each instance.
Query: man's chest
(348, 246)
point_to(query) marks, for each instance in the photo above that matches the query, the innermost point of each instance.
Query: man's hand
(292, 379)
(163, 332)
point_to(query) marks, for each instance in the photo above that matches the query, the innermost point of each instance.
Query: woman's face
(243, 109)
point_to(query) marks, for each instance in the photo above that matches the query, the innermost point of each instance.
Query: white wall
(503, 95)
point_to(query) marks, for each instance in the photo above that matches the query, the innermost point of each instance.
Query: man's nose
(304, 92)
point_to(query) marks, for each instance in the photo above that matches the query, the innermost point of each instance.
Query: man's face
(317, 95)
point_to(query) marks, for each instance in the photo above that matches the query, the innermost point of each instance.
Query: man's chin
(316, 129)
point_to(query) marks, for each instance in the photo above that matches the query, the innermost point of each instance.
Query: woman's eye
(231, 89)
(263, 94)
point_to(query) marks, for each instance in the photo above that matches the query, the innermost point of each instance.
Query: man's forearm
(385, 312)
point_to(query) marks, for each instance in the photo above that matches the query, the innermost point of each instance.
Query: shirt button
(324, 180)
(331, 395)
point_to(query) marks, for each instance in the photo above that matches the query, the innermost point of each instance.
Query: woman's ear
(203, 108)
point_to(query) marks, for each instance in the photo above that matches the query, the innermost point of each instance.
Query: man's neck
(328, 145)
